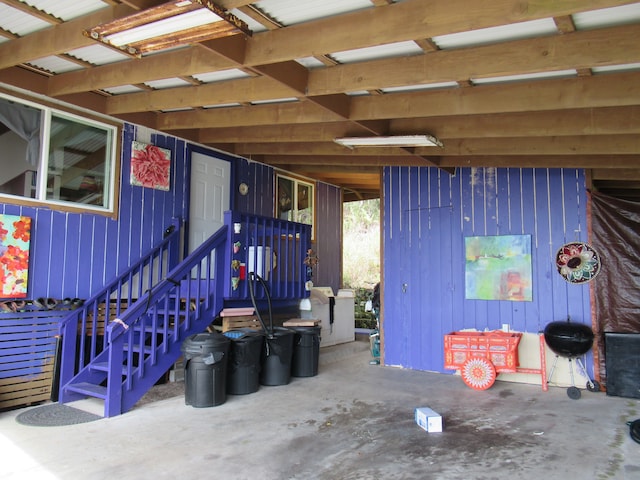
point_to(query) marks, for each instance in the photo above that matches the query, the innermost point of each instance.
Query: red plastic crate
(501, 348)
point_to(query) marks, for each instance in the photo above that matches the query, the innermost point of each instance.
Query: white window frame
(294, 200)
(113, 130)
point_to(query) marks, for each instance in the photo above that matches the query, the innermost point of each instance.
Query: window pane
(305, 204)
(285, 199)
(79, 160)
(19, 148)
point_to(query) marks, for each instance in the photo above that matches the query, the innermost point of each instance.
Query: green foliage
(361, 255)
(361, 250)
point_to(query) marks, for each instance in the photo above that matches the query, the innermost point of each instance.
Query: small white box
(428, 420)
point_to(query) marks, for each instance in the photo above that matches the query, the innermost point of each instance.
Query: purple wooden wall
(427, 215)
(74, 255)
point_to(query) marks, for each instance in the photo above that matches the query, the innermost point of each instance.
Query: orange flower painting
(150, 166)
(15, 236)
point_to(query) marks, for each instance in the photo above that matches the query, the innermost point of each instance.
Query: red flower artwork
(15, 236)
(150, 166)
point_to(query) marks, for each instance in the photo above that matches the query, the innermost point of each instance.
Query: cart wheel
(478, 373)
(574, 393)
(593, 386)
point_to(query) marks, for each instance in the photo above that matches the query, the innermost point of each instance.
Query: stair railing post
(116, 335)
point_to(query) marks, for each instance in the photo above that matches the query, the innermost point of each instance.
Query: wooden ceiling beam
(58, 39)
(588, 121)
(631, 174)
(513, 146)
(189, 61)
(584, 92)
(585, 49)
(403, 21)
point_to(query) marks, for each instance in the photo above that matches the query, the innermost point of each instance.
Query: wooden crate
(241, 321)
(105, 315)
(27, 356)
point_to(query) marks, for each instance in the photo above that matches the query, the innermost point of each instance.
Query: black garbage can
(306, 351)
(243, 364)
(277, 352)
(205, 369)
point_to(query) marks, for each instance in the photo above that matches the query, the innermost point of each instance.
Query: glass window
(56, 157)
(295, 201)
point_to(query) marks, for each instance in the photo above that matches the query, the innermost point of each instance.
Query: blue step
(104, 367)
(88, 389)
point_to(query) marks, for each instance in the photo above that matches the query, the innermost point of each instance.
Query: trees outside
(361, 254)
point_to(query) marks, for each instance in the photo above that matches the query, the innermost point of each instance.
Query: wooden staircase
(119, 359)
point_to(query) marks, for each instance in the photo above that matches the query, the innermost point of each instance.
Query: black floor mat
(55, 415)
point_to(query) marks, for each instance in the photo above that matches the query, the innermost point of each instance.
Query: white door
(210, 197)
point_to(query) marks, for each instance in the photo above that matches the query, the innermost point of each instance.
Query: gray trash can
(205, 369)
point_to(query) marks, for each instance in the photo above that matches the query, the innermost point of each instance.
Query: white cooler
(343, 328)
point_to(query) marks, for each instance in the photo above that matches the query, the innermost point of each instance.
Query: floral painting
(150, 166)
(15, 236)
(498, 268)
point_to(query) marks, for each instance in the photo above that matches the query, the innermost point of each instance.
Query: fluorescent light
(168, 25)
(390, 141)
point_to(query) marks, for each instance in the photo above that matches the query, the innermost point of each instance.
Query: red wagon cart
(480, 356)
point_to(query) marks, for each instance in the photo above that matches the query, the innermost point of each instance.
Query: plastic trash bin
(277, 352)
(306, 351)
(243, 364)
(205, 369)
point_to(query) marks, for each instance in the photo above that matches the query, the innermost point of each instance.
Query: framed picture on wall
(295, 201)
(498, 268)
(15, 238)
(150, 166)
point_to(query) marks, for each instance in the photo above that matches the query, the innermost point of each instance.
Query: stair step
(136, 348)
(89, 389)
(104, 367)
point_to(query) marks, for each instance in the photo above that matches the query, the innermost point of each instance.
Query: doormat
(55, 415)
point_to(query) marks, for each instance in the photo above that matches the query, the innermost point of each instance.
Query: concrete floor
(351, 421)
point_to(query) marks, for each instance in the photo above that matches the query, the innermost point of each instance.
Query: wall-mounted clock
(243, 188)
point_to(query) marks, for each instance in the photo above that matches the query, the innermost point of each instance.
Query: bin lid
(204, 343)
(241, 334)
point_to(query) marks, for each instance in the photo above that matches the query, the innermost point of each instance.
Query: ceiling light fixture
(390, 141)
(168, 25)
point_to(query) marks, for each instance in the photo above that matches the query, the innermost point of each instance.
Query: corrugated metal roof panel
(122, 89)
(167, 83)
(55, 64)
(617, 68)
(98, 54)
(291, 12)
(425, 86)
(607, 17)
(275, 100)
(254, 26)
(211, 77)
(503, 33)
(528, 76)
(19, 23)
(310, 62)
(399, 49)
(67, 10)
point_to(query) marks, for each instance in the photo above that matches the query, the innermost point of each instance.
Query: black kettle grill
(572, 341)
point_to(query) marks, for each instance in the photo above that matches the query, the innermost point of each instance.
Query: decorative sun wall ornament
(578, 262)
(150, 166)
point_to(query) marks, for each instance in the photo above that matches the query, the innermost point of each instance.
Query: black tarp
(616, 290)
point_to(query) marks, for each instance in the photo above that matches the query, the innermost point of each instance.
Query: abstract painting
(15, 237)
(498, 268)
(150, 166)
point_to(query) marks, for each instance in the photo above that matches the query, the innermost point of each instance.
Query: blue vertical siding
(427, 215)
(328, 236)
